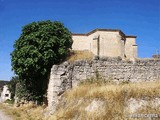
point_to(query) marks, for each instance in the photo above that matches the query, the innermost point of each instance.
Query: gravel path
(3, 116)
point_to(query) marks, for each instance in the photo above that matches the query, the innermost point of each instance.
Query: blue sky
(133, 17)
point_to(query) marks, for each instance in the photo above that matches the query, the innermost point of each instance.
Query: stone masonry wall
(68, 75)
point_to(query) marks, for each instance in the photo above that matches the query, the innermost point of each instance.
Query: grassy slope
(27, 112)
(75, 101)
(114, 96)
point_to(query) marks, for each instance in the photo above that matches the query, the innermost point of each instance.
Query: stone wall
(79, 41)
(131, 48)
(68, 75)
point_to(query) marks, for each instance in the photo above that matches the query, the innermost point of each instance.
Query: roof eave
(131, 36)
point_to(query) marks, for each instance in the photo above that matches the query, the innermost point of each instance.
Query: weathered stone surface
(67, 75)
(104, 42)
(96, 105)
(133, 105)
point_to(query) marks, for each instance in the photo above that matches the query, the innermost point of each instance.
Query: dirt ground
(3, 116)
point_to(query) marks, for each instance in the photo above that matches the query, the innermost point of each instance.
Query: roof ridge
(102, 29)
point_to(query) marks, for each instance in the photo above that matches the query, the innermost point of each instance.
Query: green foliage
(125, 82)
(21, 90)
(12, 85)
(97, 75)
(9, 101)
(40, 45)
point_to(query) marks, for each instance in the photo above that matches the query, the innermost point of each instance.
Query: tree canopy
(40, 45)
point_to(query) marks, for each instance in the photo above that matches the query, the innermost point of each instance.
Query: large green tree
(40, 45)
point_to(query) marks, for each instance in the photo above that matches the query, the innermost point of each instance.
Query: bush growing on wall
(40, 45)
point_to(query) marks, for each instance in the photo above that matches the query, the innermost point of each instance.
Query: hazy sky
(133, 17)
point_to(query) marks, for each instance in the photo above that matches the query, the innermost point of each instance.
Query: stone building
(106, 42)
(5, 94)
(156, 56)
(2, 83)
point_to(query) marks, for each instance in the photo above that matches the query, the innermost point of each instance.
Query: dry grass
(26, 112)
(74, 102)
(114, 97)
(79, 55)
(105, 90)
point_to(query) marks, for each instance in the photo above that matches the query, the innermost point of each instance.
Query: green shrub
(9, 101)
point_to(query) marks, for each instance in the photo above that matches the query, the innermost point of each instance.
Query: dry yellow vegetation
(26, 112)
(114, 96)
(79, 55)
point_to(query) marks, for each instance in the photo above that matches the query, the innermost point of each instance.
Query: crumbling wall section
(67, 75)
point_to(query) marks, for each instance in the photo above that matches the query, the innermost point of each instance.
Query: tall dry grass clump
(114, 98)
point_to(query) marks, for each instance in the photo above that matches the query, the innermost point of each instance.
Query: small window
(6, 95)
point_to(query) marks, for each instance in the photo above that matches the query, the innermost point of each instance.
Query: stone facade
(67, 75)
(106, 42)
(5, 95)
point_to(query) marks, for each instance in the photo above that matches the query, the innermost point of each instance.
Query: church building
(106, 42)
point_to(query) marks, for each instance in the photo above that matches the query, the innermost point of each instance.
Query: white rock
(95, 106)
